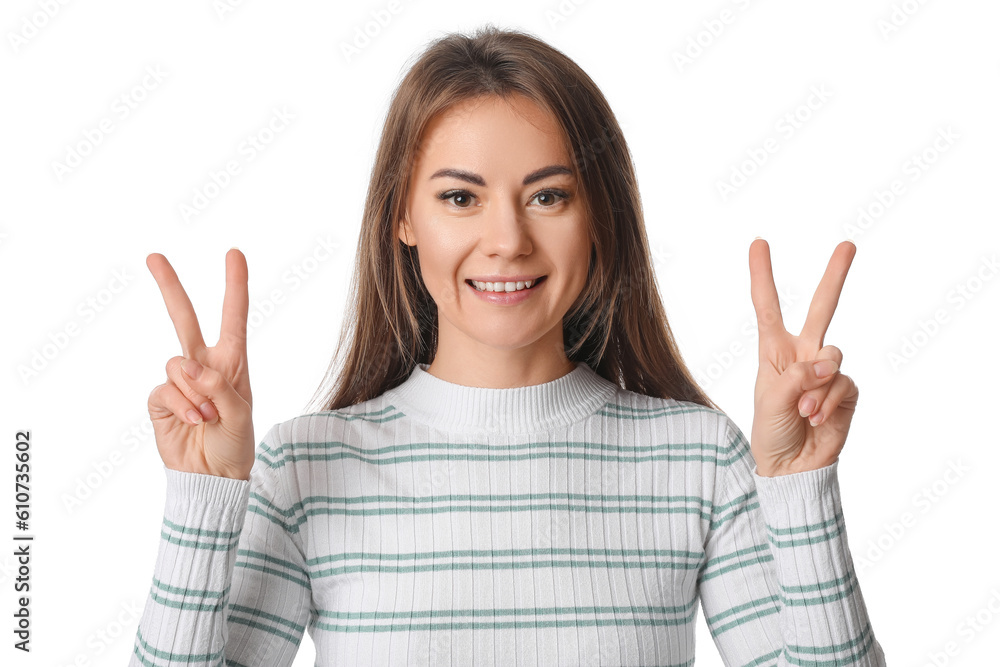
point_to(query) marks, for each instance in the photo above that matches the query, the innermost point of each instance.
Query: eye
(465, 195)
(552, 193)
(450, 194)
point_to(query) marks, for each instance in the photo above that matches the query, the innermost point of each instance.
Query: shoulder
(671, 414)
(307, 435)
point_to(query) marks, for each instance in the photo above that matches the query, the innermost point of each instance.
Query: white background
(896, 74)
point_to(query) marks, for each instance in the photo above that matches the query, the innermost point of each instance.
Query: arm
(230, 585)
(778, 585)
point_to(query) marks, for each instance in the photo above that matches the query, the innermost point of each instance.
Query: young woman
(514, 465)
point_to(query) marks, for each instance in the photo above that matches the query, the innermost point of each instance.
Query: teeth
(502, 287)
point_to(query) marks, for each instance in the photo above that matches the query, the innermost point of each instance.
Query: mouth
(524, 288)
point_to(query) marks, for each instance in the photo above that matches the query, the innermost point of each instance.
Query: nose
(504, 231)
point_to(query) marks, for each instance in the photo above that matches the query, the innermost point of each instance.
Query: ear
(404, 231)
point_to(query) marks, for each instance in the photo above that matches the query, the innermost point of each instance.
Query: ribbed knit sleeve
(230, 585)
(779, 585)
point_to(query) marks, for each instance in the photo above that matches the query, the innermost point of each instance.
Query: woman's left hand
(782, 440)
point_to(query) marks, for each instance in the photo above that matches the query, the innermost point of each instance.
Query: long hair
(617, 325)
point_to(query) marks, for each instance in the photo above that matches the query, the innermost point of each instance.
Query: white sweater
(565, 523)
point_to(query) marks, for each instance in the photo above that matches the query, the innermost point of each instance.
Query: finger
(236, 305)
(182, 381)
(843, 392)
(810, 401)
(178, 304)
(824, 301)
(799, 378)
(763, 292)
(216, 387)
(167, 399)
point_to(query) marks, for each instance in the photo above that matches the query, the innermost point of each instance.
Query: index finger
(178, 304)
(824, 301)
(763, 292)
(236, 304)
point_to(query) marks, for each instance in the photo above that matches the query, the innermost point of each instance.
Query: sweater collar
(540, 407)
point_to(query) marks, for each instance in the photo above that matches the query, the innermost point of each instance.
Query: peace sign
(202, 415)
(803, 404)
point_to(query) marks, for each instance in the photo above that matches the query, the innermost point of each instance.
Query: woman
(514, 465)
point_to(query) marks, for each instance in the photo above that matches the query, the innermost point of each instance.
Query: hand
(782, 440)
(204, 424)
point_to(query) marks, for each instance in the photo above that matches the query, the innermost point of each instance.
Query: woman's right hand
(202, 414)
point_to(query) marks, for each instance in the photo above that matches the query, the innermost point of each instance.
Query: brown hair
(617, 326)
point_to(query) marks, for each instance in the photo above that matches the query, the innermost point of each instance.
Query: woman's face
(493, 198)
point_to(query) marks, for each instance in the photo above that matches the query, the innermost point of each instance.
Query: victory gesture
(202, 414)
(803, 404)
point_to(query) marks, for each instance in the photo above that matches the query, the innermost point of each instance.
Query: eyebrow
(476, 179)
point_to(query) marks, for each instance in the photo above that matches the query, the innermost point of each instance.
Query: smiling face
(493, 198)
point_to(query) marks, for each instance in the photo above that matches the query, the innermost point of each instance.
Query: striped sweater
(565, 523)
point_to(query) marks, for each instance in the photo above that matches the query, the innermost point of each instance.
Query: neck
(538, 407)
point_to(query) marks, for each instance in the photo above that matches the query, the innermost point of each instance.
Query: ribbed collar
(540, 407)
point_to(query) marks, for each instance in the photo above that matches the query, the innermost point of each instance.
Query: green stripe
(637, 414)
(249, 553)
(834, 662)
(808, 527)
(194, 544)
(713, 568)
(348, 416)
(189, 592)
(271, 617)
(764, 602)
(508, 625)
(270, 570)
(814, 539)
(770, 658)
(256, 625)
(507, 611)
(188, 606)
(513, 565)
(174, 657)
(201, 532)
(833, 648)
(505, 553)
(756, 615)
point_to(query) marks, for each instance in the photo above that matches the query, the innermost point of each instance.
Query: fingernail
(193, 417)
(191, 368)
(207, 411)
(808, 406)
(816, 418)
(824, 368)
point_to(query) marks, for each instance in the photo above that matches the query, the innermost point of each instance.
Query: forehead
(488, 132)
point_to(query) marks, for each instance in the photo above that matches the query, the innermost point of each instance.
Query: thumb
(211, 383)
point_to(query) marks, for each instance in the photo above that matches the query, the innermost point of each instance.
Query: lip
(507, 298)
(505, 279)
